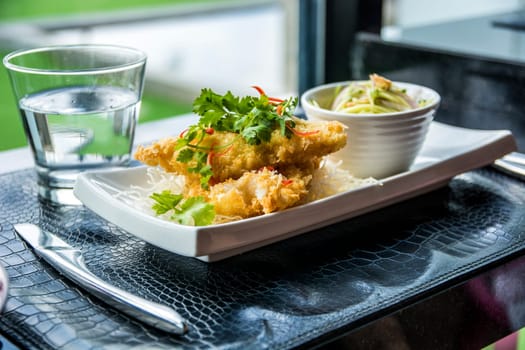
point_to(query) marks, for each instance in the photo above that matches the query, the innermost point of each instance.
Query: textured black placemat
(279, 296)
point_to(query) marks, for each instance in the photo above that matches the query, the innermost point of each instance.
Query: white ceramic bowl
(379, 145)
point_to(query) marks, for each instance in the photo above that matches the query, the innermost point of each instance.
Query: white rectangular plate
(448, 151)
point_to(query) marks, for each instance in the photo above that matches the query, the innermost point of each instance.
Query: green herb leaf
(194, 211)
(254, 118)
(165, 201)
(191, 211)
(185, 155)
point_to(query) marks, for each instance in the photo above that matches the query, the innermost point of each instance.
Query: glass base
(56, 185)
(61, 196)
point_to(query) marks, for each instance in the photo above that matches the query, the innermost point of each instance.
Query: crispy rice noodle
(328, 180)
(331, 179)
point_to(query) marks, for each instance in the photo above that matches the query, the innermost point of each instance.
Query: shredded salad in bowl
(375, 96)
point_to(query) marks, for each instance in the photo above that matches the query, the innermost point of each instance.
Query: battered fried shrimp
(246, 156)
(230, 156)
(256, 193)
(162, 153)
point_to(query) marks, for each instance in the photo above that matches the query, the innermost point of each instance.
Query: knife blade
(70, 263)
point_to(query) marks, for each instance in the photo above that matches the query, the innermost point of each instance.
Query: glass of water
(79, 107)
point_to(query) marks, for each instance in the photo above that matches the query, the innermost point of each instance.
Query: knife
(69, 262)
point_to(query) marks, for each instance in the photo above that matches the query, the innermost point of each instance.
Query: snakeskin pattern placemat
(281, 296)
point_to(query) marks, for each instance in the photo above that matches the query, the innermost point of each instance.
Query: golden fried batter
(233, 156)
(256, 193)
(250, 180)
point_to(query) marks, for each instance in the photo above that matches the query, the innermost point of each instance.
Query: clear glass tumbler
(79, 107)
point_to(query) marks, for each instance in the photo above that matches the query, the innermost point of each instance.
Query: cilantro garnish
(253, 118)
(190, 211)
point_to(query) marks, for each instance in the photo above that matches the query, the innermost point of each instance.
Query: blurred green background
(154, 106)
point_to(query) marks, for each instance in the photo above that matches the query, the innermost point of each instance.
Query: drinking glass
(79, 106)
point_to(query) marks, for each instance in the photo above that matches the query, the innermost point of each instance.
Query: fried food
(232, 156)
(256, 193)
(250, 180)
(246, 156)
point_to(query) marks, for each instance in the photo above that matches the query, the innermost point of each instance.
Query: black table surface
(308, 291)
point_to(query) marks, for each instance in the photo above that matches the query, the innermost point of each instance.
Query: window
(224, 45)
(492, 29)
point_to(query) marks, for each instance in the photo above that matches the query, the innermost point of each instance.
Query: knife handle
(71, 265)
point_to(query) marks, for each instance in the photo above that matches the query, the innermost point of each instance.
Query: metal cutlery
(512, 164)
(69, 262)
